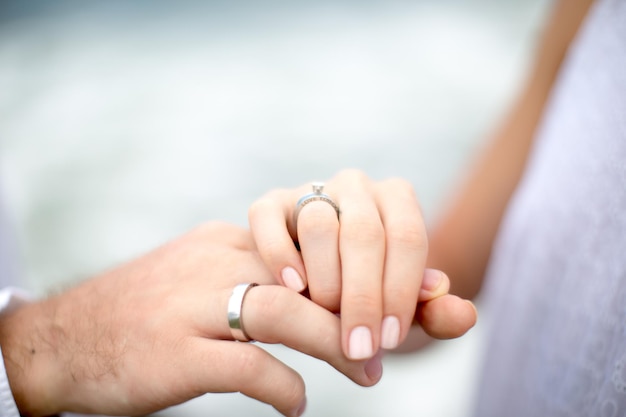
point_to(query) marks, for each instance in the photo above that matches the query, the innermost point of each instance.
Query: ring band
(235, 304)
(316, 195)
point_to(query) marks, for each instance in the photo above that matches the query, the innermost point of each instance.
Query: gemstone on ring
(318, 187)
(316, 195)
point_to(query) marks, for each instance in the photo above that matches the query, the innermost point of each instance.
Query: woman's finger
(405, 257)
(268, 218)
(362, 249)
(318, 236)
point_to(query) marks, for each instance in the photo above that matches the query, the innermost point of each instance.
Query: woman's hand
(367, 260)
(154, 333)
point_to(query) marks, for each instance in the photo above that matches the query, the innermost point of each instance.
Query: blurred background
(124, 124)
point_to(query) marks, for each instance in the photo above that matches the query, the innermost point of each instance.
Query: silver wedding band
(316, 195)
(235, 304)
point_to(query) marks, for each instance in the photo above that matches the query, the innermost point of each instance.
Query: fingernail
(300, 410)
(431, 280)
(360, 343)
(390, 335)
(292, 279)
(374, 367)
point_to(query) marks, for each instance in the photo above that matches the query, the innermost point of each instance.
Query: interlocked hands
(154, 332)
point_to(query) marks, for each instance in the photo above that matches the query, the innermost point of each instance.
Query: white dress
(556, 286)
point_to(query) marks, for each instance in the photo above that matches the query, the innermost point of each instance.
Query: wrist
(29, 354)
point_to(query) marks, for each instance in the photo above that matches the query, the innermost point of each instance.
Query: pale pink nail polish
(390, 335)
(292, 279)
(360, 343)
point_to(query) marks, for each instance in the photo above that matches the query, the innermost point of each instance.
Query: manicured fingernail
(300, 410)
(390, 335)
(292, 279)
(360, 343)
(432, 279)
(374, 367)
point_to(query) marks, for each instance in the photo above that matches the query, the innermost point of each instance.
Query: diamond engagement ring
(316, 195)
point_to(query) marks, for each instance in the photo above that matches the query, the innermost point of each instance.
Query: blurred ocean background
(124, 124)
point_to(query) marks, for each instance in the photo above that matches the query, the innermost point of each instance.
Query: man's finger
(246, 368)
(274, 314)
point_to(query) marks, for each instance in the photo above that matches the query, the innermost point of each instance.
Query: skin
(369, 265)
(461, 240)
(153, 333)
(135, 340)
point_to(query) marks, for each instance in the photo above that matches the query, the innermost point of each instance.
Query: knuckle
(402, 192)
(366, 303)
(219, 234)
(400, 184)
(353, 176)
(362, 230)
(409, 236)
(352, 173)
(214, 228)
(262, 205)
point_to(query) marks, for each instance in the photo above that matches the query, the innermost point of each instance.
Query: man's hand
(154, 333)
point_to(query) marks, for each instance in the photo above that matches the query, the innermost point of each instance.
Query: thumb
(446, 317)
(435, 283)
